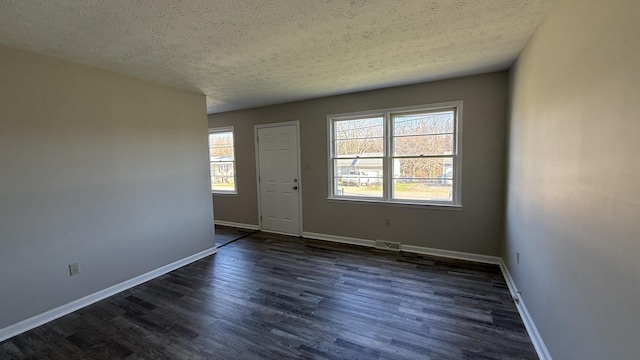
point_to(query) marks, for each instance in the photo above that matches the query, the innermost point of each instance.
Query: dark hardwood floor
(270, 296)
(226, 234)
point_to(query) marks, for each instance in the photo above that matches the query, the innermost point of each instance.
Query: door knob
(295, 188)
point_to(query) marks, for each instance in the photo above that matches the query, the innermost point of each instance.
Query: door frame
(257, 154)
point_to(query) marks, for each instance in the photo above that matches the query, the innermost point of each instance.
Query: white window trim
(387, 158)
(235, 177)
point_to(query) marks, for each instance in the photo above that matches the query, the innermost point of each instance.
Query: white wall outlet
(74, 269)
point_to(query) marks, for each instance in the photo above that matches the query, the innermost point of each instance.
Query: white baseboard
(237, 225)
(459, 255)
(536, 339)
(408, 248)
(339, 239)
(279, 233)
(45, 317)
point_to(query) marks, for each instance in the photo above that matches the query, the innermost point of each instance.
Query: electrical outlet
(517, 257)
(74, 269)
(387, 222)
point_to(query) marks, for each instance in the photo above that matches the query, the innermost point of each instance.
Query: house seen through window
(404, 155)
(222, 160)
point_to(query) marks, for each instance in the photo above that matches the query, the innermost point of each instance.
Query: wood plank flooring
(270, 296)
(226, 234)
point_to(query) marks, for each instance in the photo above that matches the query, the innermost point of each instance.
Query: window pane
(359, 128)
(423, 145)
(423, 189)
(358, 177)
(369, 147)
(441, 122)
(222, 177)
(221, 145)
(423, 178)
(221, 153)
(359, 137)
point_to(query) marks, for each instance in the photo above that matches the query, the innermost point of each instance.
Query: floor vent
(387, 245)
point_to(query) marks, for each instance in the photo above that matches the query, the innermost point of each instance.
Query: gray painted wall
(477, 228)
(573, 209)
(96, 168)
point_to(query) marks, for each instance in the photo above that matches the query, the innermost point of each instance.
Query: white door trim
(257, 154)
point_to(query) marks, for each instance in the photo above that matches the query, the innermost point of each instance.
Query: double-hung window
(222, 161)
(401, 155)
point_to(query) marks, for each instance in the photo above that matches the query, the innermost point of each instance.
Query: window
(402, 155)
(222, 160)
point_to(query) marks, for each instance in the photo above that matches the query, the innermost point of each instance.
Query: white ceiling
(247, 53)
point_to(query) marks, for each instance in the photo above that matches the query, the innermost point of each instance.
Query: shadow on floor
(226, 234)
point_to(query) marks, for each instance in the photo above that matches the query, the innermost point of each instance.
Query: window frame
(216, 130)
(388, 156)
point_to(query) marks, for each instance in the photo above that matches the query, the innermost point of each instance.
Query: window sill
(431, 206)
(224, 193)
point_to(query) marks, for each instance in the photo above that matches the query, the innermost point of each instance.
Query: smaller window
(222, 161)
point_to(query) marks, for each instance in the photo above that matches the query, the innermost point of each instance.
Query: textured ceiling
(247, 53)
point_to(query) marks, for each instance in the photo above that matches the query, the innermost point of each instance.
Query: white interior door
(278, 178)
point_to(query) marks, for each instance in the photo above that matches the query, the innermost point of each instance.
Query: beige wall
(477, 228)
(573, 209)
(95, 168)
